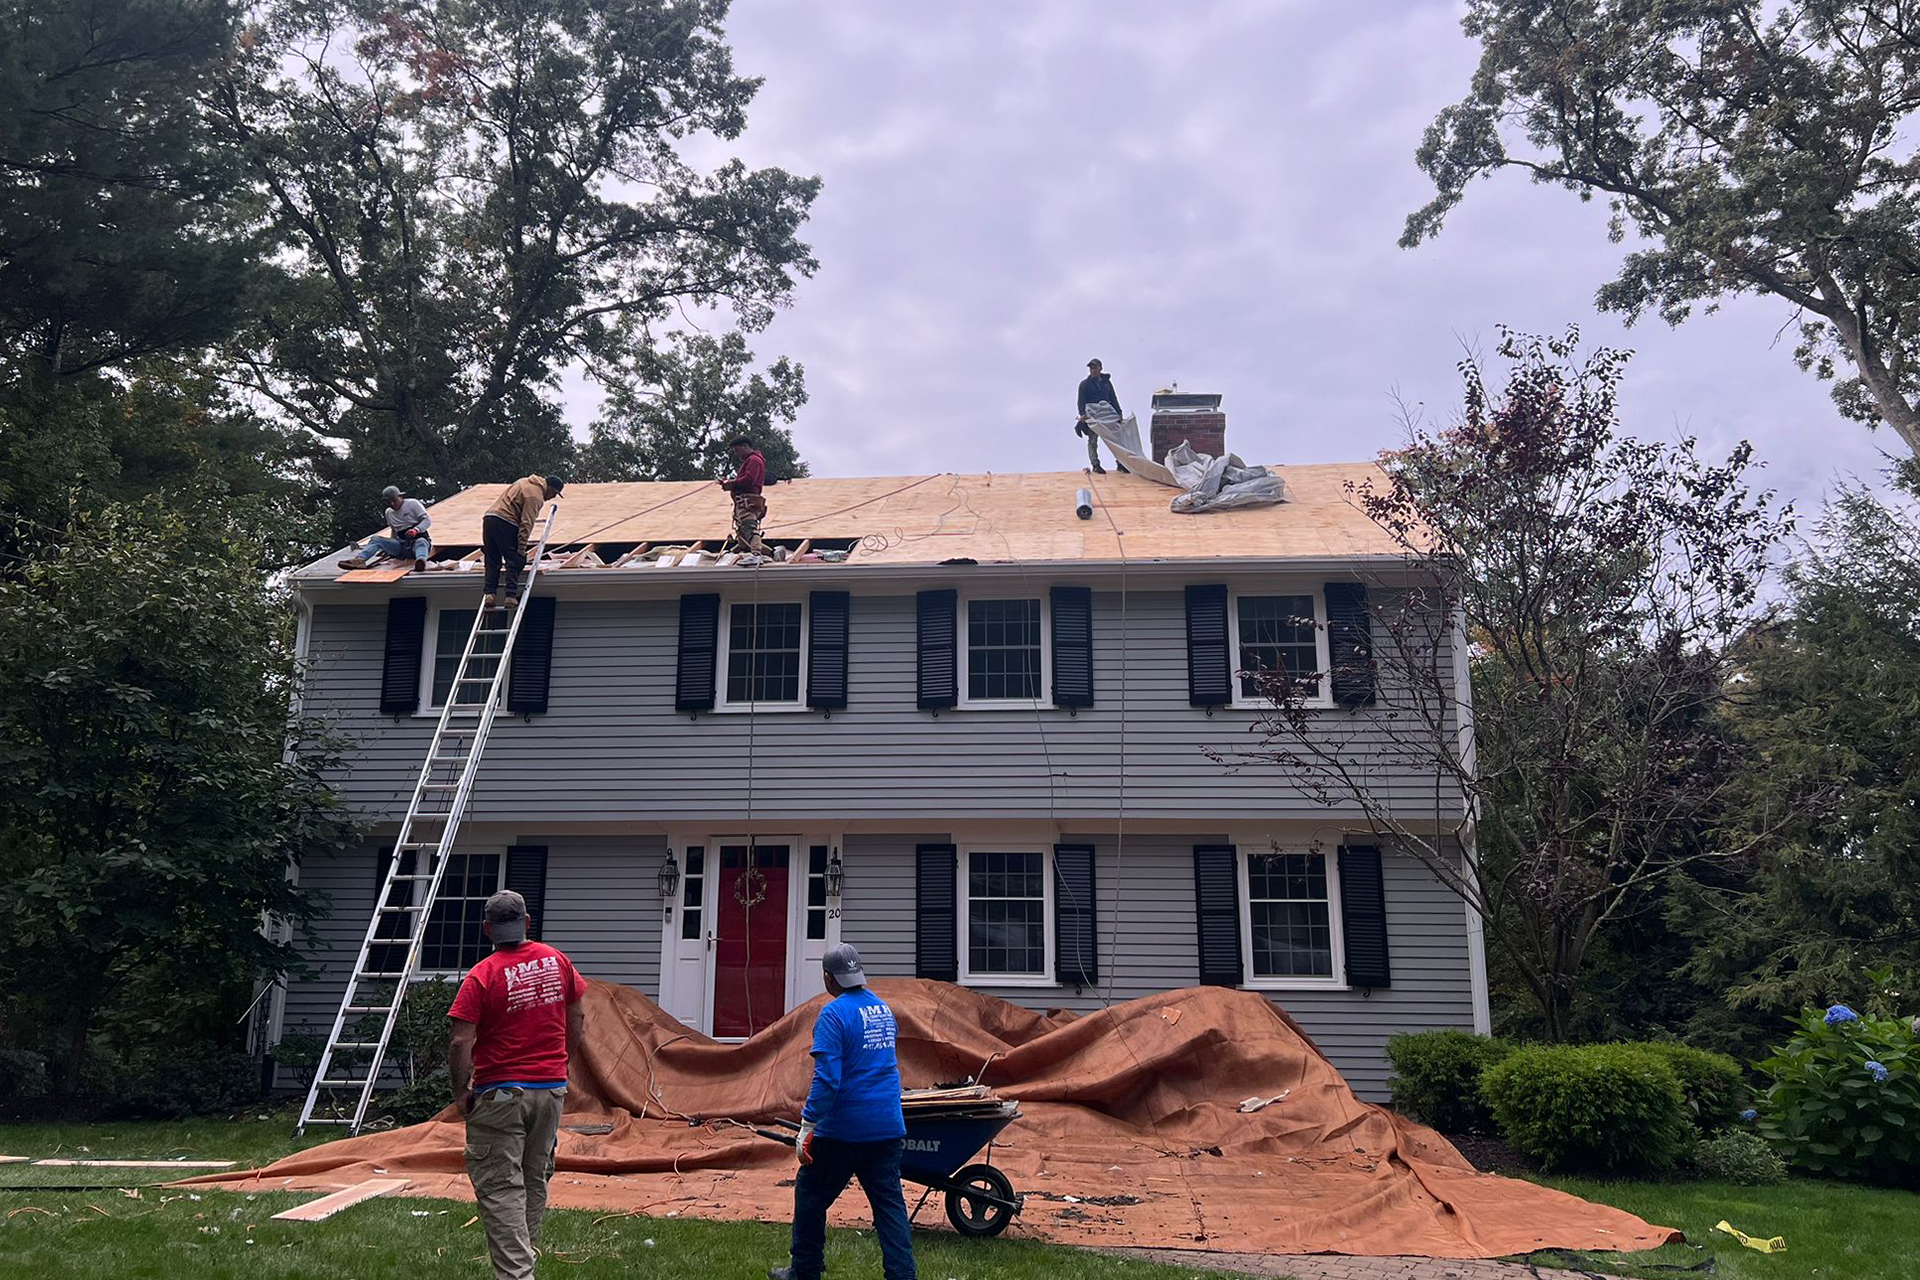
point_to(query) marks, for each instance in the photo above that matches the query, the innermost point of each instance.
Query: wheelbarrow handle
(785, 1139)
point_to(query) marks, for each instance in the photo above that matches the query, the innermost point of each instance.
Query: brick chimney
(1188, 416)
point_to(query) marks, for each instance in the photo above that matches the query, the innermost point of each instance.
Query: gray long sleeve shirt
(411, 514)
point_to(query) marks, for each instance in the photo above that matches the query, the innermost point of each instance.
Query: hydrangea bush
(1845, 1096)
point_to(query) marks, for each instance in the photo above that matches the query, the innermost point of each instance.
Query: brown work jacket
(521, 504)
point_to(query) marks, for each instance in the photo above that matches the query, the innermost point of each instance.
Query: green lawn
(1834, 1230)
(165, 1234)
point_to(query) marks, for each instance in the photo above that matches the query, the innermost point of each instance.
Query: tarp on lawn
(1133, 1111)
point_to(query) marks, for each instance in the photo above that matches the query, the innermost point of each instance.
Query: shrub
(23, 1073)
(1845, 1096)
(1610, 1107)
(1713, 1084)
(179, 1083)
(418, 1099)
(1436, 1077)
(1739, 1156)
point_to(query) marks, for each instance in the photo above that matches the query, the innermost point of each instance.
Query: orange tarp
(1132, 1111)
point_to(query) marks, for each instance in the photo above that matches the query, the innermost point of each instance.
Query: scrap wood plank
(392, 573)
(326, 1206)
(14, 1159)
(136, 1164)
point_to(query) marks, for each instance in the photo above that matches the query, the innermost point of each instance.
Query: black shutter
(1216, 895)
(939, 657)
(1209, 667)
(937, 924)
(406, 636)
(699, 651)
(827, 650)
(390, 924)
(531, 671)
(1076, 942)
(527, 876)
(1350, 643)
(1363, 917)
(1072, 646)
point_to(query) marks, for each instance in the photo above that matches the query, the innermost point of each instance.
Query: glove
(1080, 428)
(804, 1144)
(411, 535)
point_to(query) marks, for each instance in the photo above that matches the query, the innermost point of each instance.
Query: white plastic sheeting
(1207, 483)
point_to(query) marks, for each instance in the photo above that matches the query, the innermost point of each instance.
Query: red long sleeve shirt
(753, 474)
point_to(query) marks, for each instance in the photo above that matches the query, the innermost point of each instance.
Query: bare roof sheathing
(1025, 518)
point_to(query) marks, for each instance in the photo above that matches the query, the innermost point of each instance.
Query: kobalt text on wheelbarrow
(980, 1200)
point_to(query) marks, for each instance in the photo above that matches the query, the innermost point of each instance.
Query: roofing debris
(1209, 483)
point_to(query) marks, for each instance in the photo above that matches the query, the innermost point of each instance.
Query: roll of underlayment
(1083, 504)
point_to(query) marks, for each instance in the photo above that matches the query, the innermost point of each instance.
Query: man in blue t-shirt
(851, 1126)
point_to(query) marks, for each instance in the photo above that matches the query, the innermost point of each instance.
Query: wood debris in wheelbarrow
(969, 1102)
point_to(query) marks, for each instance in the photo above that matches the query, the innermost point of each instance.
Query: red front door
(750, 954)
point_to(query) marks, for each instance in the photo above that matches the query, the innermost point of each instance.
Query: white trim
(722, 646)
(1470, 834)
(1322, 647)
(964, 600)
(965, 850)
(1335, 980)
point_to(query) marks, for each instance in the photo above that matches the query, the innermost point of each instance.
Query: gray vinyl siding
(612, 749)
(1145, 905)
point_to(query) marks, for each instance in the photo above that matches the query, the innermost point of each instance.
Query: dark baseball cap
(842, 964)
(507, 913)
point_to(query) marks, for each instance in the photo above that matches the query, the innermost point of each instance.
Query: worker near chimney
(1096, 389)
(749, 508)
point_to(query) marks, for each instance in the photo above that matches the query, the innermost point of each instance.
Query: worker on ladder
(406, 536)
(517, 1022)
(506, 536)
(749, 506)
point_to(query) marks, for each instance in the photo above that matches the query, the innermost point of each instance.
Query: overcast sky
(1201, 193)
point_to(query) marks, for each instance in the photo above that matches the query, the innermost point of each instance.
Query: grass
(1834, 1230)
(141, 1231)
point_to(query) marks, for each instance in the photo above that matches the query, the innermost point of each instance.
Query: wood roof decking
(927, 519)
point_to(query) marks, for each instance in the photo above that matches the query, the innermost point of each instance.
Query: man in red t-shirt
(516, 1020)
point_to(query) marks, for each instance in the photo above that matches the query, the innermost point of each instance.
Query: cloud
(1207, 193)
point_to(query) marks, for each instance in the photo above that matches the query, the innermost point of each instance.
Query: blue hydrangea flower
(1878, 1071)
(1749, 1115)
(1839, 1013)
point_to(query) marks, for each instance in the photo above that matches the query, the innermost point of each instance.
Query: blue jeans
(397, 548)
(877, 1166)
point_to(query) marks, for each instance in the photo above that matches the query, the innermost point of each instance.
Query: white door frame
(687, 968)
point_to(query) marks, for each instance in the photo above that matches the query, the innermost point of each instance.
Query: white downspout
(276, 1001)
(1469, 845)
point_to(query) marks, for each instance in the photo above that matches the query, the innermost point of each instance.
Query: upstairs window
(763, 660)
(1279, 636)
(1003, 661)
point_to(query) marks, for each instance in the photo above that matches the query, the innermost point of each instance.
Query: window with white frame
(448, 636)
(453, 940)
(1008, 921)
(817, 856)
(1279, 636)
(765, 647)
(1290, 910)
(1004, 659)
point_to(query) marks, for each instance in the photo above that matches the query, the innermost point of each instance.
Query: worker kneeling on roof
(852, 1125)
(749, 507)
(516, 1022)
(506, 536)
(406, 537)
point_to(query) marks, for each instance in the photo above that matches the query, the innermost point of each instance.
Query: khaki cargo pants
(748, 510)
(510, 1141)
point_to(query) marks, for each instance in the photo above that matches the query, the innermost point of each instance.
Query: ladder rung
(390, 909)
(427, 876)
(369, 1008)
(355, 1044)
(340, 1084)
(328, 1120)
(374, 974)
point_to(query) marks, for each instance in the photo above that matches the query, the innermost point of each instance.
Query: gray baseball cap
(507, 913)
(842, 964)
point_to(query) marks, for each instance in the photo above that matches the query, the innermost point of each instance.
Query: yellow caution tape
(1773, 1244)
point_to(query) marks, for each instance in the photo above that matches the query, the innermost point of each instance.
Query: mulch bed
(1490, 1155)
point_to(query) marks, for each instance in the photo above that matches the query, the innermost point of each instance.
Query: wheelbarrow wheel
(972, 1216)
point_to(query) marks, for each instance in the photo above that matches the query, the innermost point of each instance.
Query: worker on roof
(406, 536)
(852, 1125)
(1097, 394)
(516, 1021)
(506, 536)
(749, 507)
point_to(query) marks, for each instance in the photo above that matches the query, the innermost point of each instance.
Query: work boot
(486, 601)
(511, 601)
(353, 562)
(419, 564)
(1121, 467)
(1099, 470)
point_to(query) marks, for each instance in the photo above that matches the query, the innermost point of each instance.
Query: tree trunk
(75, 1064)
(1879, 380)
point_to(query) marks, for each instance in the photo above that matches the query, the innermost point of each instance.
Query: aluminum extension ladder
(432, 822)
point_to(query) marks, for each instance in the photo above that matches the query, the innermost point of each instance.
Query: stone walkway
(1324, 1266)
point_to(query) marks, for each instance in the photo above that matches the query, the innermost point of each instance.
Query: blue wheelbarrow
(980, 1200)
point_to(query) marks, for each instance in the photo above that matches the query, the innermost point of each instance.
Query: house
(961, 726)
